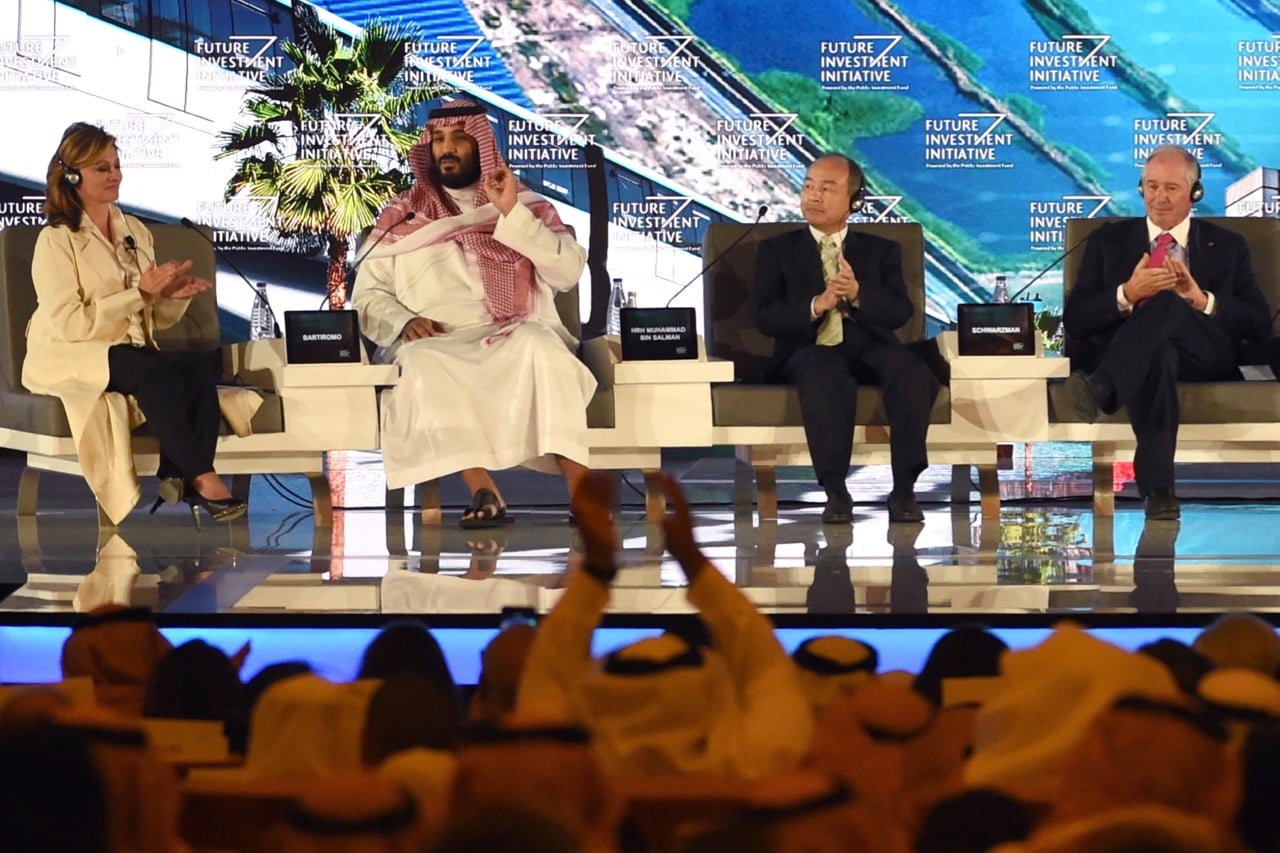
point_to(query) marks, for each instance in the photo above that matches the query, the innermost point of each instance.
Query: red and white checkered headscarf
(507, 275)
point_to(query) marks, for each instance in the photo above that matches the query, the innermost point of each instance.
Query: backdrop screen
(989, 123)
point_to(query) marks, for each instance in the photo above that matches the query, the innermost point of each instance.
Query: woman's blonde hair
(82, 144)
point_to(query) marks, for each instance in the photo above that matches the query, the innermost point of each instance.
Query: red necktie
(1158, 254)
(1161, 250)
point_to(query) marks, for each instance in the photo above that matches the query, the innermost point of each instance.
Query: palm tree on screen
(325, 148)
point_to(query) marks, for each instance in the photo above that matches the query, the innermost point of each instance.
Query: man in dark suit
(831, 298)
(1158, 301)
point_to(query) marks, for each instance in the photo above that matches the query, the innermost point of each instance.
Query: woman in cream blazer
(101, 298)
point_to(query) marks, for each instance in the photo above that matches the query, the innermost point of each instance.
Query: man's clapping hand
(1146, 281)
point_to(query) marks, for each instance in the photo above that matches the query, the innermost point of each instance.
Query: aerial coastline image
(987, 123)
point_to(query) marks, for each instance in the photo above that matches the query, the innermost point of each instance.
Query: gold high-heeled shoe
(228, 509)
(170, 491)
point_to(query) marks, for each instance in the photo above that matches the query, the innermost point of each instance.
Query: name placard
(659, 334)
(321, 337)
(996, 328)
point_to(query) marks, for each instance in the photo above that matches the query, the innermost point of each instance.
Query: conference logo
(863, 63)
(458, 55)
(670, 219)
(968, 141)
(345, 140)
(661, 63)
(244, 222)
(1073, 62)
(881, 208)
(1258, 64)
(758, 141)
(145, 140)
(553, 140)
(235, 61)
(1185, 129)
(26, 210)
(1269, 206)
(35, 62)
(1047, 218)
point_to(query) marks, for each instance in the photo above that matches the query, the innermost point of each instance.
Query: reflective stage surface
(1045, 554)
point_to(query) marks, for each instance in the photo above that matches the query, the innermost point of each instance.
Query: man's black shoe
(903, 509)
(1162, 505)
(839, 510)
(1082, 396)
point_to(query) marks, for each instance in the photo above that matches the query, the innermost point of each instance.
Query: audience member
(969, 651)
(27, 706)
(1185, 664)
(406, 648)
(501, 826)
(830, 666)
(934, 760)
(1258, 821)
(1145, 829)
(1243, 696)
(861, 740)
(549, 769)
(306, 726)
(239, 721)
(118, 647)
(973, 821)
(801, 813)
(1144, 752)
(142, 794)
(356, 812)
(661, 705)
(195, 681)
(51, 794)
(1241, 640)
(410, 734)
(408, 712)
(1027, 732)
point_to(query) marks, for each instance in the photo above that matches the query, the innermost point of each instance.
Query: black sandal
(485, 511)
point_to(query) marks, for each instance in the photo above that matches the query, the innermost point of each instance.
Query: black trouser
(827, 378)
(177, 391)
(1163, 341)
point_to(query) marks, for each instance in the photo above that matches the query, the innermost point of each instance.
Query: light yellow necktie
(831, 332)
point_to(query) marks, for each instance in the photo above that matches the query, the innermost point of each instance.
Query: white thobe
(466, 399)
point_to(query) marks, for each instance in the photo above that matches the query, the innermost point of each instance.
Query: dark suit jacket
(789, 274)
(1220, 264)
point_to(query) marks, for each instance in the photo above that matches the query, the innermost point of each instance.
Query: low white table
(657, 404)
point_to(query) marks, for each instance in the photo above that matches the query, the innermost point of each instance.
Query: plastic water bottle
(261, 324)
(617, 299)
(1002, 290)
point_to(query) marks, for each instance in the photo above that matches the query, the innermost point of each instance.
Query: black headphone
(859, 195)
(70, 174)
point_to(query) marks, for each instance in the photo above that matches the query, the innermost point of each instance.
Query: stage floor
(1046, 554)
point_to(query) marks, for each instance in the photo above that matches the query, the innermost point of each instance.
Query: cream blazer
(87, 291)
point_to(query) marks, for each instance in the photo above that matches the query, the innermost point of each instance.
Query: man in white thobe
(459, 292)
